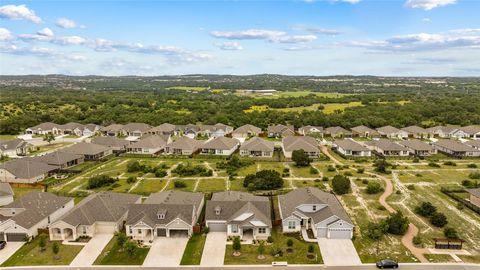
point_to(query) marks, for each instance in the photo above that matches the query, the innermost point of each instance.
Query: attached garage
(162, 232)
(16, 237)
(321, 232)
(340, 233)
(217, 226)
(105, 228)
(178, 232)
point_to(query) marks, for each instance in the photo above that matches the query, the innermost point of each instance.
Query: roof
(388, 130)
(290, 201)
(83, 148)
(38, 206)
(218, 126)
(414, 130)
(44, 126)
(474, 191)
(11, 144)
(336, 130)
(247, 129)
(110, 141)
(151, 141)
(308, 144)
(165, 127)
(417, 145)
(176, 197)
(149, 213)
(185, 143)
(5, 189)
(455, 146)
(113, 127)
(100, 207)
(221, 143)
(280, 128)
(258, 144)
(470, 130)
(364, 129)
(142, 127)
(443, 129)
(58, 158)
(386, 145)
(310, 129)
(27, 168)
(350, 145)
(473, 143)
(72, 126)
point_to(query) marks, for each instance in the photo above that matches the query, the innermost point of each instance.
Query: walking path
(325, 151)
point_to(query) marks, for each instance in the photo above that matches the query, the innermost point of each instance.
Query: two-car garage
(13, 237)
(163, 232)
(216, 226)
(335, 233)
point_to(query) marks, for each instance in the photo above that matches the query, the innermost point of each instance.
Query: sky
(292, 37)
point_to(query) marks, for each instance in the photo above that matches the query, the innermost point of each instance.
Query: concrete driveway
(166, 251)
(92, 250)
(214, 250)
(9, 250)
(338, 252)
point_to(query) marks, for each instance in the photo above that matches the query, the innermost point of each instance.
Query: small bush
(311, 248)
(474, 175)
(433, 164)
(347, 173)
(472, 166)
(450, 233)
(360, 170)
(438, 220)
(365, 181)
(179, 184)
(417, 240)
(313, 170)
(374, 187)
(411, 187)
(450, 163)
(131, 179)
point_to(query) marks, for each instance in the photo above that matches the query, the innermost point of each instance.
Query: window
(292, 224)
(314, 208)
(84, 229)
(262, 230)
(234, 228)
(139, 231)
(130, 230)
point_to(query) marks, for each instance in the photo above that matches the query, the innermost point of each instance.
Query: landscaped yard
(211, 185)
(147, 186)
(194, 249)
(20, 191)
(31, 254)
(112, 254)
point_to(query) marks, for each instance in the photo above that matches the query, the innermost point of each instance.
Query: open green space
(113, 254)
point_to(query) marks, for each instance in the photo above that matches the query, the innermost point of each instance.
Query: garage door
(161, 232)
(2, 236)
(321, 232)
(16, 237)
(105, 228)
(217, 227)
(340, 233)
(178, 233)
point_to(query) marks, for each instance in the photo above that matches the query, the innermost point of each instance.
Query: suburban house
(184, 146)
(257, 147)
(60, 159)
(246, 131)
(468, 132)
(117, 145)
(387, 148)
(419, 148)
(311, 208)
(136, 129)
(115, 130)
(163, 129)
(164, 214)
(189, 130)
(392, 132)
(239, 214)
(6, 193)
(215, 131)
(456, 148)
(364, 131)
(278, 131)
(474, 196)
(416, 132)
(79, 129)
(25, 170)
(44, 128)
(337, 132)
(102, 212)
(311, 130)
(32, 211)
(149, 145)
(14, 148)
(442, 131)
(90, 151)
(474, 143)
(306, 143)
(351, 148)
(220, 146)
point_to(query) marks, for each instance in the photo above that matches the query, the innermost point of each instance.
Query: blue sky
(313, 37)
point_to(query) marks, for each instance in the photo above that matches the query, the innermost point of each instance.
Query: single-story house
(246, 131)
(116, 144)
(364, 131)
(311, 208)
(14, 148)
(223, 146)
(419, 148)
(307, 143)
(6, 193)
(90, 129)
(114, 130)
(32, 211)
(136, 129)
(61, 159)
(442, 131)
(163, 129)
(474, 196)
(189, 130)
(183, 146)
(215, 131)
(90, 151)
(149, 145)
(474, 143)
(72, 128)
(44, 128)
(278, 131)
(392, 132)
(456, 148)
(102, 212)
(351, 148)
(257, 147)
(164, 214)
(25, 170)
(239, 214)
(337, 132)
(387, 148)
(468, 132)
(416, 132)
(311, 130)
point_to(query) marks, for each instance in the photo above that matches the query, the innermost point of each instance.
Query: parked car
(2, 244)
(387, 264)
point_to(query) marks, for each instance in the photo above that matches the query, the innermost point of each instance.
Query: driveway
(338, 252)
(9, 250)
(214, 250)
(166, 251)
(92, 250)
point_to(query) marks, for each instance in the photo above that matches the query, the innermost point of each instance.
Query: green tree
(438, 219)
(42, 242)
(263, 180)
(130, 248)
(397, 223)
(121, 239)
(301, 158)
(55, 249)
(426, 209)
(261, 248)
(341, 184)
(376, 231)
(49, 137)
(373, 187)
(450, 233)
(237, 245)
(289, 242)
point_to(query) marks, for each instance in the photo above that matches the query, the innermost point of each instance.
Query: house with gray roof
(455, 148)
(117, 145)
(392, 132)
(257, 147)
(311, 208)
(78, 129)
(25, 170)
(239, 214)
(246, 131)
(468, 132)
(136, 129)
(149, 145)
(474, 143)
(364, 131)
(419, 148)
(164, 214)
(215, 131)
(32, 211)
(351, 148)
(387, 148)
(183, 146)
(417, 132)
(115, 130)
(279, 131)
(6, 193)
(474, 196)
(102, 212)
(44, 128)
(61, 159)
(163, 129)
(90, 151)
(442, 131)
(189, 130)
(305, 143)
(14, 148)
(222, 146)
(337, 132)
(311, 130)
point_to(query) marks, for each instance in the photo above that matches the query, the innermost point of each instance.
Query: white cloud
(426, 20)
(294, 39)
(69, 40)
(229, 46)
(47, 32)
(5, 34)
(333, 1)
(318, 30)
(429, 4)
(65, 23)
(41, 52)
(20, 12)
(262, 34)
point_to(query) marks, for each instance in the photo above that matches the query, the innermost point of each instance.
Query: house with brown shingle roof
(387, 148)
(474, 143)
(163, 129)
(257, 147)
(416, 132)
(392, 132)
(305, 143)
(468, 132)
(183, 146)
(442, 131)
(149, 145)
(419, 148)
(474, 196)
(222, 146)
(90, 151)
(116, 144)
(60, 159)
(136, 129)
(351, 148)
(44, 128)
(25, 170)
(456, 148)
(364, 131)
(215, 131)
(311, 130)
(337, 132)
(278, 131)
(246, 131)
(6, 193)
(14, 148)
(115, 130)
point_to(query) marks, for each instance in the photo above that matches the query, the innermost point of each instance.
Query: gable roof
(151, 141)
(72, 126)
(443, 129)
(27, 168)
(417, 145)
(186, 143)
(113, 128)
(414, 130)
(44, 126)
(455, 146)
(336, 130)
(5, 189)
(176, 197)
(474, 191)
(280, 128)
(83, 148)
(471, 130)
(142, 127)
(6, 145)
(386, 145)
(247, 129)
(258, 144)
(310, 129)
(165, 127)
(308, 144)
(387, 130)
(364, 129)
(473, 143)
(110, 141)
(350, 145)
(221, 143)
(148, 213)
(57, 158)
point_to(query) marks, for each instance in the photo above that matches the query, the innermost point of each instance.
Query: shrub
(365, 181)
(474, 175)
(190, 170)
(438, 220)
(289, 242)
(179, 184)
(450, 163)
(417, 240)
(270, 239)
(381, 166)
(360, 170)
(472, 166)
(347, 173)
(100, 181)
(131, 179)
(134, 166)
(311, 248)
(301, 158)
(397, 223)
(263, 180)
(374, 187)
(261, 248)
(450, 233)
(433, 164)
(313, 170)
(160, 173)
(237, 246)
(341, 184)
(130, 248)
(325, 179)
(411, 187)
(330, 168)
(426, 209)
(416, 160)
(121, 239)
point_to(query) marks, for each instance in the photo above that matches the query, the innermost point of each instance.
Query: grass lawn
(194, 249)
(251, 169)
(435, 176)
(211, 185)
(330, 108)
(190, 185)
(302, 172)
(237, 184)
(112, 254)
(7, 137)
(147, 186)
(277, 166)
(20, 191)
(30, 254)
(309, 183)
